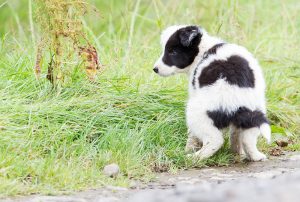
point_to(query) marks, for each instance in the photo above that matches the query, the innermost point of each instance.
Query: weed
(63, 34)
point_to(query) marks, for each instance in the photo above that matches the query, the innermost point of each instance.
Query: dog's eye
(172, 52)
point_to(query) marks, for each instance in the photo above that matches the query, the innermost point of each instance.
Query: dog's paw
(190, 150)
(194, 157)
(190, 156)
(258, 157)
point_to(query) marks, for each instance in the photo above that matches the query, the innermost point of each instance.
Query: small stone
(111, 170)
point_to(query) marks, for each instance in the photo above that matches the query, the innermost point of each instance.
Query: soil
(277, 179)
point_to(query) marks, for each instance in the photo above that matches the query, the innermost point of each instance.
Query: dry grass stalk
(63, 33)
(38, 62)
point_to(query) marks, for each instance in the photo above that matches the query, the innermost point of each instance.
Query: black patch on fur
(242, 118)
(182, 47)
(211, 51)
(235, 70)
(194, 77)
(220, 118)
(245, 118)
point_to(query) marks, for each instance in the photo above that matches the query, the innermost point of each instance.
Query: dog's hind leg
(249, 141)
(236, 141)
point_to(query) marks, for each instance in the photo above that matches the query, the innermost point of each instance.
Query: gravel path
(275, 180)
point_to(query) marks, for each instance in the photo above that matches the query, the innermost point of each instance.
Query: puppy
(226, 89)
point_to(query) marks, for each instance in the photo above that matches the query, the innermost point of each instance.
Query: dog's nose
(155, 69)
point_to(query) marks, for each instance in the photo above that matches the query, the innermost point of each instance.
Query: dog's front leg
(193, 143)
(203, 128)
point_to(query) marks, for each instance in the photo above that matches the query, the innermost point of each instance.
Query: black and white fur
(226, 89)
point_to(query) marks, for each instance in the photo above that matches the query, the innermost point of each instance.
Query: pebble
(111, 170)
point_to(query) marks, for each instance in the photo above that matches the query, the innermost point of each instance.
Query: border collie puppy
(226, 89)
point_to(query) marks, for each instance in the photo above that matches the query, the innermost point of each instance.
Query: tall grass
(51, 143)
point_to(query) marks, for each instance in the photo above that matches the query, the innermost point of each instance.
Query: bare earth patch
(240, 182)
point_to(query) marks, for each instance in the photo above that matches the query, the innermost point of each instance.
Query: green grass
(52, 143)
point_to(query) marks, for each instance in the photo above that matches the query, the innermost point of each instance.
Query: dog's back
(226, 89)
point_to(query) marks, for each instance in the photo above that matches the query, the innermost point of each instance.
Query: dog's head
(180, 47)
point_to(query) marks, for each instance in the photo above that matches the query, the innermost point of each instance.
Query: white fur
(265, 130)
(219, 95)
(249, 140)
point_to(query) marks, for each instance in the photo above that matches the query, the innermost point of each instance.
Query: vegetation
(63, 35)
(52, 143)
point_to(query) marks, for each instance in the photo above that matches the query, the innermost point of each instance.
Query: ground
(274, 180)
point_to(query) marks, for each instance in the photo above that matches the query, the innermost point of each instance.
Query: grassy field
(51, 143)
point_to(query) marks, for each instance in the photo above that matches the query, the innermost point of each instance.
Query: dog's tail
(265, 130)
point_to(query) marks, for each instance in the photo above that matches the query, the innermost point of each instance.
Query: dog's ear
(188, 34)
